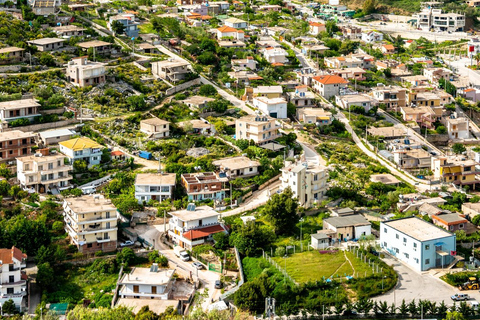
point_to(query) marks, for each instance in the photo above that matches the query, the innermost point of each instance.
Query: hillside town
(277, 159)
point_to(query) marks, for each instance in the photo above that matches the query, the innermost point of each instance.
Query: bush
(280, 252)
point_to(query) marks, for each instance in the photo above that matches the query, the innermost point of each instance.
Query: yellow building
(452, 170)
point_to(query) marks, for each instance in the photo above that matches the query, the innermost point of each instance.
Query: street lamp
(301, 243)
(285, 277)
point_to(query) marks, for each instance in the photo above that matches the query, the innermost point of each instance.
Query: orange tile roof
(7, 255)
(389, 47)
(117, 153)
(227, 29)
(316, 24)
(468, 90)
(203, 232)
(277, 64)
(341, 58)
(330, 79)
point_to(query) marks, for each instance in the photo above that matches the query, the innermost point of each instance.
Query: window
(50, 166)
(165, 189)
(397, 236)
(396, 250)
(89, 245)
(9, 290)
(450, 227)
(404, 240)
(427, 247)
(460, 226)
(407, 255)
(427, 261)
(385, 244)
(385, 230)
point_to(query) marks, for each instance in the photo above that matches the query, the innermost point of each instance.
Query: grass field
(313, 266)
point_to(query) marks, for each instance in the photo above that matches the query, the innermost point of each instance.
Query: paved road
(461, 68)
(311, 155)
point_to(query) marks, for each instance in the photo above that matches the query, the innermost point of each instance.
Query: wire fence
(275, 264)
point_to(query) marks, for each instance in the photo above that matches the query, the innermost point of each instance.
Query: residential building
(387, 49)
(91, 223)
(388, 133)
(450, 221)
(236, 23)
(418, 243)
(194, 226)
(317, 116)
(47, 44)
(329, 86)
(385, 178)
(351, 32)
(189, 2)
(146, 48)
(435, 74)
(19, 109)
(302, 97)
(308, 182)
(44, 173)
(435, 19)
(53, 137)
(270, 92)
(360, 100)
(457, 171)
(275, 56)
(155, 128)
(11, 55)
(15, 144)
(273, 107)
(423, 116)
(408, 158)
(237, 167)
(473, 3)
(170, 70)
(458, 128)
(471, 209)
(204, 186)
(99, 47)
(415, 202)
(83, 73)
(248, 63)
(350, 227)
(82, 149)
(358, 60)
(350, 73)
(260, 129)
(229, 33)
(154, 186)
(270, 7)
(129, 23)
(393, 97)
(13, 277)
(68, 31)
(44, 7)
(372, 36)
(320, 240)
(231, 44)
(197, 102)
(198, 126)
(244, 77)
(316, 28)
(146, 283)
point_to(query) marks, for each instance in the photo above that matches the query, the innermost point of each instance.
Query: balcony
(63, 168)
(103, 240)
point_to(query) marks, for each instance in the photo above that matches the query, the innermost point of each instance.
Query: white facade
(13, 284)
(328, 86)
(431, 18)
(372, 37)
(361, 100)
(275, 55)
(236, 23)
(82, 149)
(147, 283)
(154, 186)
(458, 128)
(275, 108)
(84, 73)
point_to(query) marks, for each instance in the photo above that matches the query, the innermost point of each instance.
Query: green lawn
(313, 266)
(146, 28)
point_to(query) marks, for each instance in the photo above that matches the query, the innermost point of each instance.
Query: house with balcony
(15, 144)
(455, 170)
(308, 182)
(82, 149)
(393, 97)
(154, 186)
(275, 56)
(372, 36)
(11, 55)
(146, 283)
(237, 167)
(273, 107)
(354, 60)
(47, 44)
(329, 85)
(458, 128)
(98, 47)
(361, 100)
(249, 63)
(350, 73)
(68, 31)
(409, 158)
(155, 128)
(423, 116)
(13, 280)
(261, 129)
(91, 223)
(44, 173)
(302, 97)
(129, 23)
(435, 74)
(244, 77)
(315, 28)
(19, 109)
(204, 186)
(170, 70)
(317, 116)
(82, 72)
(229, 33)
(194, 226)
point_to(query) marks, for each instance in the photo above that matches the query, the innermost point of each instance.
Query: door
(135, 289)
(154, 289)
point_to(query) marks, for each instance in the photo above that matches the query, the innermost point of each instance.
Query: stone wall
(43, 126)
(438, 139)
(183, 86)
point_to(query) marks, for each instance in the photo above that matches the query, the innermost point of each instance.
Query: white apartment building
(155, 128)
(301, 97)
(83, 73)
(329, 86)
(275, 55)
(362, 100)
(236, 23)
(275, 107)
(13, 281)
(19, 109)
(458, 128)
(431, 18)
(82, 149)
(308, 182)
(154, 186)
(146, 283)
(372, 37)
(41, 173)
(91, 223)
(260, 129)
(194, 226)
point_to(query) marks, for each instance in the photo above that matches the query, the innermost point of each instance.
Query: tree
(221, 240)
(46, 60)
(126, 256)
(136, 103)
(476, 220)
(46, 277)
(441, 130)
(218, 105)
(249, 238)
(9, 307)
(461, 235)
(369, 6)
(454, 315)
(207, 90)
(458, 148)
(291, 110)
(281, 211)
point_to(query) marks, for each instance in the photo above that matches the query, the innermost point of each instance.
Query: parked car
(127, 243)
(460, 297)
(198, 265)
(218, 284)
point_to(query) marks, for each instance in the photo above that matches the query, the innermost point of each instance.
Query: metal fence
(275, 264)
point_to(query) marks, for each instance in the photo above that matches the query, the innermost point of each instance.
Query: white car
(126, 243)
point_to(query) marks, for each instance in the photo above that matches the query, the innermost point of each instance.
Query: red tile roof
(330, 79)
(277, 64)
(7, 255)
(203, 232)
(316, 24)
(117, 153)
(227, 29)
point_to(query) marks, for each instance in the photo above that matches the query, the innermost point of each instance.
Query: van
(473, 304)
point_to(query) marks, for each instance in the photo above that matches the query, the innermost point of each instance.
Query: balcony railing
(102, 240)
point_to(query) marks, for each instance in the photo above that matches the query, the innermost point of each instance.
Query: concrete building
(458, 128)
(329, 86)
(372, 36)
(453, 170)
(435, 74)
(317, 116)
(229, 33)
(83, 73)
(47, 44)
(320, 240)
(68, 31)
(204, 186)
(99, 47)
(301, 97)
(385, 178)
(194, 226)
(13, 279)
(129, 23)
(155, 128)
(236, 23)
(353, 60)
(249, 63)
(273, 107)
(316, 28)
(260, 129)
(393, 97)
(82, 149)
(11, 55)
(275, 56)
(418, 243)
(15, 144)
(44, 173)
(435, 19)
(19, 109)
(197, 102)
(471, 209)
(423, 116)
(154, 186)
(237, 167)
(147, 283)
(361, 100)
(170, 70)
(198, 126)
(308, 182)
(91, 223)
(270, 92)
(350, 73)
(53, 137)
(350, 227)
(450, 221)
(412, 158)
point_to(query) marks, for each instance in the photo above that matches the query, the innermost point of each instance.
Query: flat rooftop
(156, 305)
(196, 100)
(45, 41)
(236, 163)
(139, 276)
(268, 89)
(200, 212)
(90, 203)
(155, 121)
(385, 178)
(17, 104)
(11, 49)
(15, 134)
(42, 158)
(158, 179)
(418, 229)
(56, 133)
(93, 44)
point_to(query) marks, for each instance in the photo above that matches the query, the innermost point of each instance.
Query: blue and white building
(82, 149)
(418, 243)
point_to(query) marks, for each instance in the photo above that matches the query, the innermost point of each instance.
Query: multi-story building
(372, 36)
(85, 73)
(275, 107)
(68, 31)
(91, 223)
(301, 97)
(329, 86)
(11, 55)
(431, 18)
(154, 186)
(13, 280)
(360, 100)
(226, 33)
(316, 28)
(155, 127)
(249, 63)
(19, 109)
(350, 73)
(458, 128)
(456, 171)
(409, 158)
(47, 44)
(172, 71)
(308, 182)
(348, 227)
(82, 149)
(146, 283)
(15, 144)
(236, 23)
(435, 74)
(43, 173)
(275, 56)
(260, 129)
(418, 243)
(129, 23)
(317, 116)
(423, 116)
(194, 226)
(393, 97)
(237, 167)
(204, 186)
(473, 3)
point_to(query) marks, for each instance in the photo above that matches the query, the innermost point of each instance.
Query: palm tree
(477, 57)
